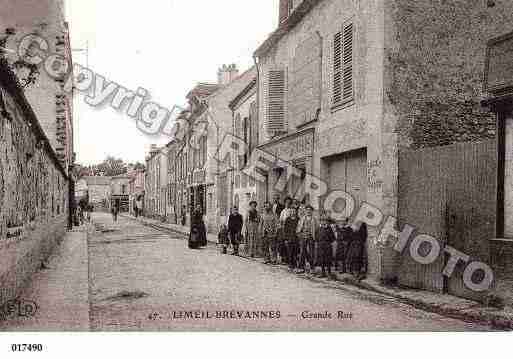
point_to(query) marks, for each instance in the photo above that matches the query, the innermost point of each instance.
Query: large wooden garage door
(348, 172)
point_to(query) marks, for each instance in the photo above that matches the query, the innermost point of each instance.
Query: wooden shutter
(275, 102)
(253, 118)
(343, 88)
(284, 10)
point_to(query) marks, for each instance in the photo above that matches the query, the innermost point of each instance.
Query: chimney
(284, 10)
(153, 149)
(226, 74)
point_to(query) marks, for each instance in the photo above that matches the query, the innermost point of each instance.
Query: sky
(164, 46)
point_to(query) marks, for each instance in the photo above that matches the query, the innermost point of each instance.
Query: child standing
(223, 238)
(291, 241)
(326, 238)
(307, 233)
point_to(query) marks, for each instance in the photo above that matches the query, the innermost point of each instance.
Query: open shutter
(253, 116)
(348, 63)
(275, 102)
(343, 88)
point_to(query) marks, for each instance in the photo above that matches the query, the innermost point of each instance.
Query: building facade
(245, 126)
(99, 192)
(347, 96)
(136, 190)
(119, 193)
(34, 190)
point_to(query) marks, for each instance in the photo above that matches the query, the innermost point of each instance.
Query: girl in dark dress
(356, 252)
(326, 238)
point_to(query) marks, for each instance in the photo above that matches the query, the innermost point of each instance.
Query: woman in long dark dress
(198, 228)
(356, 252)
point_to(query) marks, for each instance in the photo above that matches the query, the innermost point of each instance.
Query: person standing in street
(114, 211)
(252, 229)
(277, 206)
(326, 237)
(184, 216)
(269, 231)
(357, 253)
(307, 233)
(282, 249)
(344, 234)
(291, 240)
(198, 224)
(235, 224)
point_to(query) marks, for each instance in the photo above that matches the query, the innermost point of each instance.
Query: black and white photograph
(193, 166)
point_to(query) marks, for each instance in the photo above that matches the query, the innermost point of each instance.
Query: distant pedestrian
(269, 231)
(184, 215)
(235, 224)
(326, 237)
(291, 240)
(252, 229)
(115, 212)
(307, 234)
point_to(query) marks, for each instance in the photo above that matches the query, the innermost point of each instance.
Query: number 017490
(26, 347)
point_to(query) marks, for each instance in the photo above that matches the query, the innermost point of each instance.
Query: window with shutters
(275, 107)
(246, 129)
(237, 125)
(253, 115)
(203, 149)
(343, 83)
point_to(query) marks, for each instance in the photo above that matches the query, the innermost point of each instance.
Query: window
(123, 189)
(246, 130)
(343, 87)
(275, 109)
(253, 119)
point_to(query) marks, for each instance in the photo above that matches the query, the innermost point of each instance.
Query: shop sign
(292, 148)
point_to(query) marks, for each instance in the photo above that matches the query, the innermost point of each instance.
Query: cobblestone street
(143, 279)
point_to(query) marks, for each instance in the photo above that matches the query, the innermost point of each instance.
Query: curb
(474, 313)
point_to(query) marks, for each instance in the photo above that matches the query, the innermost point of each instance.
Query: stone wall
(435, 63)
(33, 191)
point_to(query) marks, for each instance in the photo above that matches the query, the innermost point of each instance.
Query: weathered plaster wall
(435, 61)
(33, 200)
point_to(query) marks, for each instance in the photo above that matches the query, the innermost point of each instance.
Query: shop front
(293, 160)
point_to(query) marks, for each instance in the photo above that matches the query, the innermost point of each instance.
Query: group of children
(292, 235)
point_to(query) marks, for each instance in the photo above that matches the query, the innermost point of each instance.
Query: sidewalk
(61, 290)
(443, 304)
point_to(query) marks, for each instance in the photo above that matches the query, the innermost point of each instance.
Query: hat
(253, 202)
(309, 207)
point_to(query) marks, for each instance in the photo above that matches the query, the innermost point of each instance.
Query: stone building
(136, 189)
(156, 183)
(243, 188)
(99, 192)
(34, 189)
(220, 120)
(354, 93)
(52, 105)
(119, 193)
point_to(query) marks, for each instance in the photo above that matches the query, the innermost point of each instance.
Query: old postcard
(248, 166)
